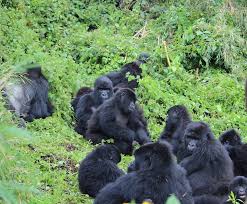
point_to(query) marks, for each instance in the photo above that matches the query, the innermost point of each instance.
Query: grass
(205, 72)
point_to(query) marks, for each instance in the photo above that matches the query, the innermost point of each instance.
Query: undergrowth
(198, 58)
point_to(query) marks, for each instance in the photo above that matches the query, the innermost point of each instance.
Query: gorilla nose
(104, 95)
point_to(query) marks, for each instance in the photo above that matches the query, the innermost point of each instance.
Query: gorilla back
(29, 97)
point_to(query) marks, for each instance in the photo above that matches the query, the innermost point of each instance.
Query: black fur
(207, 199)
(98, 169)
(118, 119)
(177, 120)
(89, 102)
(29, 97)
(119, 78)
(208, 165)
(239, 187)
(156, 179)
(237, 151)
(81, 92)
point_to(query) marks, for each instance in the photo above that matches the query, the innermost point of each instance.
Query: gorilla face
(195, 134)
(171, 121)
(239, 187)
(230, 138)
(104, 94)
(191, 142)
(103, 90)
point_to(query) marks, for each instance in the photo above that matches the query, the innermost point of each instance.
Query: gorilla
(207, 199)
(230, 138)
(81, 92)
(28, 97)
(177, 120)
(98, 169)
(119, 78)
(208, 165)
(239, 187)
(158, 176)
(237, 151)
(119, 119)
(87, 104)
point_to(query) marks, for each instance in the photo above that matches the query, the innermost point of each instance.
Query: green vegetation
(198, 58)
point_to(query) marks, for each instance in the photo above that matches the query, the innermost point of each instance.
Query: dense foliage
(198, 58)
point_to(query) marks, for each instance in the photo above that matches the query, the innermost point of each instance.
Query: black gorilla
(98, 169)
(118, 119)
(87, 104)
(207, 199)
(208, 165)
(237, 151)
(239, 187)
(29, 97)
(158, 177)
(230, 138)
(119, 78)
(177, 120)
(81, 92)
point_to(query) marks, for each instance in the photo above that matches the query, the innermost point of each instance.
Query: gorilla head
(230, 138)
(108, 152)
(147, 156)
(34, 72)
(176, 115)
(125, 99)
(196, 135)
(143, 58)
(103, 89)
(239, 187)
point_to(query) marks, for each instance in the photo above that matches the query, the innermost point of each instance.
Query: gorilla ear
(210, 135)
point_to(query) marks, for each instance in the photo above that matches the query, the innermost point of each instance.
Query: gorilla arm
(114, 126)
(83, 113)
(193, 163)
(116, 192)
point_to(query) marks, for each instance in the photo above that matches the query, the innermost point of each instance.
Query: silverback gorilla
(29, 96)
(98, 169)
(88, 103)
(118, 118)
(208, 165)
(157, 177)
(119, 78)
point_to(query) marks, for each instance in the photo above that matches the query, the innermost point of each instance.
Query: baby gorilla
(98, 169)
(239, 187)
(158, 176)
(208, 165)
(177, 120)
(119, 78)
(87, 104)
(29, 96)
(237, 151)
(119, 119)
